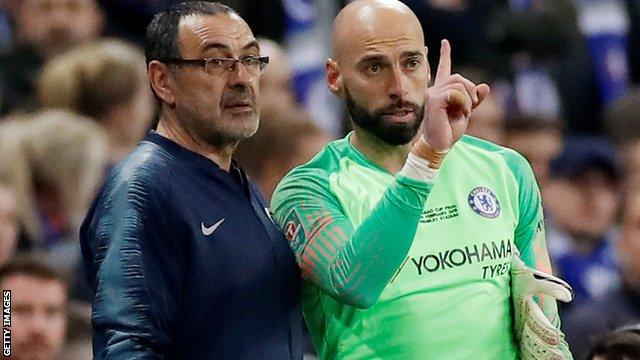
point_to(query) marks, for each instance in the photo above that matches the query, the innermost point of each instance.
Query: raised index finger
(444, 64)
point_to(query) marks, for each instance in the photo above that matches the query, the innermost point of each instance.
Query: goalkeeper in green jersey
(406, 231)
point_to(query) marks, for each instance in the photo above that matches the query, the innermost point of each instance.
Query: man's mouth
(400, 114)
(239, 106)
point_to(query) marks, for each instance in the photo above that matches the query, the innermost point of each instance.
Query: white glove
(537, 337)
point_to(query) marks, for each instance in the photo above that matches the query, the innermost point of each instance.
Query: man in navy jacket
(181, 255)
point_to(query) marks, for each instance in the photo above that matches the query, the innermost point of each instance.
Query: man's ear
(160, 78)
(334, 78)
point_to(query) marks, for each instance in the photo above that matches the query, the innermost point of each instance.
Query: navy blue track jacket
(184, 262)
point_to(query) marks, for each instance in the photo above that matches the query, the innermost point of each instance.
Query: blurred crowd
(74, 100)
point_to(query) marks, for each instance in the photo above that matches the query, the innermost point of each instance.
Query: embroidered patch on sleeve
(294, 232)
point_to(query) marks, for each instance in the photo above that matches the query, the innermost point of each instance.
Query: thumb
(550, 285)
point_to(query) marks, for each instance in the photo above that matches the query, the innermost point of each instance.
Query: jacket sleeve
(135, 268)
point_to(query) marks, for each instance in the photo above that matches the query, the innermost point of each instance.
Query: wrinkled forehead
(227, 33)
(51, 4)
(384, 31)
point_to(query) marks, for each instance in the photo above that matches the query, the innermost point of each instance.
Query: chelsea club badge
(484, 202)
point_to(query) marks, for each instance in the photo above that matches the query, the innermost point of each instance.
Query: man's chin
(34, 354)
(398, 134)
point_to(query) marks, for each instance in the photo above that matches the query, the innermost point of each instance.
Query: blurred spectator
(128, 18)
(622, 344)
(38, 309)
(582, 196)
(538, 139)
(622, 121)
(633, 9)
(533, 48)
(549, 62)
(78, 344)
(284, 140)
(486, 121)
(605, 25)
(276, 84)
(43, 29)
(6, 27)
(57, 162)
(107, 82)
(8, 223)
(308, 37)
(616, 308)
(465, 24)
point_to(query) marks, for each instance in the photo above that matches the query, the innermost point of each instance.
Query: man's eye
(216, 62)
(374, 68)
(413, 63)
(249, 60)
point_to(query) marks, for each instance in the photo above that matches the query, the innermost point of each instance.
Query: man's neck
(171, 129)
(388, 157)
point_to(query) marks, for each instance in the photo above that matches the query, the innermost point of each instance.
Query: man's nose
(59, 17)
(239, 76)
(397, 84)
(38, 323)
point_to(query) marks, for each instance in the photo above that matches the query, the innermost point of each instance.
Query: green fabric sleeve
(351, 264)
(530, 235)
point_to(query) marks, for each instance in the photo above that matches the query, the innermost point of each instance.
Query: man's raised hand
(450, 101)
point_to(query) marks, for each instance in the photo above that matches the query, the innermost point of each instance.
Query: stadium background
(564, 77)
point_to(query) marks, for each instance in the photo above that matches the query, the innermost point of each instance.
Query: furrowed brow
(373, 58)
(253, 44)
(214, 45)
(414, 53)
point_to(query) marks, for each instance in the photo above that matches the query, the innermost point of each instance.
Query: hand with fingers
(450, 101)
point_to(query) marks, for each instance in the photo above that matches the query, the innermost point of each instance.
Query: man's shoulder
(312, 177)
(322, 164)
(148, 168)
(487, 147)
(514, 161)
(136, 181)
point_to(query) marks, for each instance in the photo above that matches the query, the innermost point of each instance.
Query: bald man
(404, 230)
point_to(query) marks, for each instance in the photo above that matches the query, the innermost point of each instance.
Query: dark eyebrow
(253, 44)
(223, 47)
(372, 58)
(411, 53)
(215, 45)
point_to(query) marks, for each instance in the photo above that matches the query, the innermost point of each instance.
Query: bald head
(364, 23)
(380, 68)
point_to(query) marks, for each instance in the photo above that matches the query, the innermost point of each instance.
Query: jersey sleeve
(530, 238)
(135, 269)
(352, 264)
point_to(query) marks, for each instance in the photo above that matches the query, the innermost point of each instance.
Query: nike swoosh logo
(206, 231)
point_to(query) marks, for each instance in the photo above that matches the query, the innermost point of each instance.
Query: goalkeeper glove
(537, 337)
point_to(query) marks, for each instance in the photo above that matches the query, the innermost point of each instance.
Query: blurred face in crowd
(138, 114)
(539, 148)
(628, 245)
(52, 26)
(302, 149)
(8, 224)
(38, 322)
(486, 121)
(217, 105)
(585, 206)
(276, 88)
(632, 161)
(380, 68)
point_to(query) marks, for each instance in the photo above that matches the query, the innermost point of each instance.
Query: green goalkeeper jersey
(396, 268)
